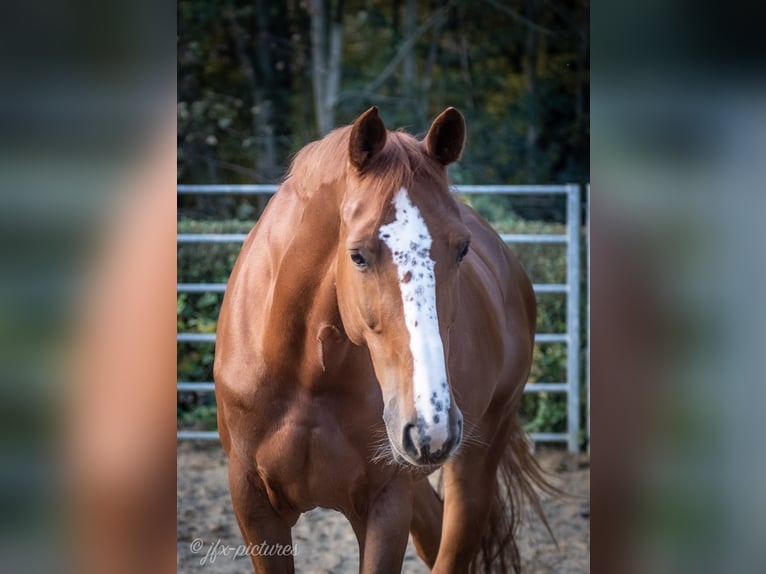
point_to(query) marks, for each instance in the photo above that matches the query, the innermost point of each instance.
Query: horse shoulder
(238, 365)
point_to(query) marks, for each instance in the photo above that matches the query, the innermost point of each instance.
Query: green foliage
(201, 417)
(547, 412)
(198, 312)
(208, 262)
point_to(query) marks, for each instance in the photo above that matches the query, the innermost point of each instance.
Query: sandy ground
(325, 542)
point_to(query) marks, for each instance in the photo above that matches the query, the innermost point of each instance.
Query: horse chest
(310, 461)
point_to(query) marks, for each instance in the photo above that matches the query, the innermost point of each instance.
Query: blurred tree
(258, 79)
(326, 51)
(530, 87)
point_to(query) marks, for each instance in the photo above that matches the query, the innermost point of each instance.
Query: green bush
(208, 262)
(198, 313)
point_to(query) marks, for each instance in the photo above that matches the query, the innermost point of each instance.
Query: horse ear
(445, 139)
(368, 136)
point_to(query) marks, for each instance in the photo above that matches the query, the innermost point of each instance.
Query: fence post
(573, 316)
(587, 312)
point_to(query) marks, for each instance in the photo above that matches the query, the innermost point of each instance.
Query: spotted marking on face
(409, 240)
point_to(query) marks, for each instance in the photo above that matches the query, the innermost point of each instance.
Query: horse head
(402, 241)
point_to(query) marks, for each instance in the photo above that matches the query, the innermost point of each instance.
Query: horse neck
(303, 290)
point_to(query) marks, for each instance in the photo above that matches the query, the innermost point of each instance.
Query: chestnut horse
(374, 329)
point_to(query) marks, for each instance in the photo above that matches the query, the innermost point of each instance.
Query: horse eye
(358, 259)
(463, 251)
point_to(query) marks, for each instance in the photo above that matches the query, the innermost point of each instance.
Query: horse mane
(325, 163)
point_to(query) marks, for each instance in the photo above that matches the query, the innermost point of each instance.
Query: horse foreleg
(469, 489)
(426, 527)
(383, 533)
(267, 534)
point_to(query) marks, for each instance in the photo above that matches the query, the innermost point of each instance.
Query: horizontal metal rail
(202, 387)
(211, 237)
(210, 338)
(511, 189)
(213, 435)
(209, 387)
(533, 238)
(201, 287)
(197, 435)
(221, 287)
(549, 436)
(546, 388)
(462, 189)
(227, 189)
(195, 337)
(550, 288)
(240, 237)
(551, 338)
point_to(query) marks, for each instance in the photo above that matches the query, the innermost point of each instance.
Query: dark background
(258, 80)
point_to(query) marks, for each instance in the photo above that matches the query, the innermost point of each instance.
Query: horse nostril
(408, 443)
(416, 442)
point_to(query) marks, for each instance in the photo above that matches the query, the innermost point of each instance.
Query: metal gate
(571, 387)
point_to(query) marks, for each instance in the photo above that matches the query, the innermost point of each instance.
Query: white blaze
(409, 240)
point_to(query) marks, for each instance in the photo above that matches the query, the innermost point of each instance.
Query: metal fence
(571, 387)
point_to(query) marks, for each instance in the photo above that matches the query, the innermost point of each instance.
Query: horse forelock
(402, 161)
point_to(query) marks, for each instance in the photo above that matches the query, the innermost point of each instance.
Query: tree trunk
(530, 87)
(465, 63)
(333, 73)
(582, 62)
(326, 52)
(408, 65)
(260, 76)
(266, 163)
(433, 52)
(245, 60)
(396, 6)
(318, 66)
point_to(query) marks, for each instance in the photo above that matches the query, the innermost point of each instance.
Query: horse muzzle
(421, 444)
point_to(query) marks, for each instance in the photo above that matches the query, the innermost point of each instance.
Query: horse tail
(518, 475)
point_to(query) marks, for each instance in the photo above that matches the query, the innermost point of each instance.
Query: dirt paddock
(324, 542)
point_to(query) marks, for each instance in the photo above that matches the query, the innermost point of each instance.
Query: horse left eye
(463, 252)
(358, 259)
